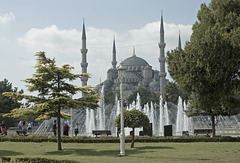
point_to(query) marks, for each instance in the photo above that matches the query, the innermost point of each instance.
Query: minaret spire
(114, 61)
(134, 54)
(161, 25)
(84, 51)
(162, 58)
(83, 31)
(179, 41)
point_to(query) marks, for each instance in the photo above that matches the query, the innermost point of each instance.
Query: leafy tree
(133, 119)
(173, 92)
(146, 96)
(109, 97)
(208, 67)
(6, 103)
(54, 92)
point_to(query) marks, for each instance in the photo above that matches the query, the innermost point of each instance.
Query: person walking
(20, 125)
(65, 129)
(24, 125)
(29, 127)
(54, 127)
(76, 130)
(3, 128)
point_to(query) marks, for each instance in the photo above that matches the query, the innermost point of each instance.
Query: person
(20, 125)
(29, 128)
(3, 128)
(65, 129)
(24, 125)
(54, 127)
(76, 129)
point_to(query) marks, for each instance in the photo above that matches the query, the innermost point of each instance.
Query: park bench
(11, 130)
(185, 133)
(101, 132)
(202, 131)
(22, 132)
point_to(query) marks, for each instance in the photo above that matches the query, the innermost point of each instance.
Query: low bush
(36, 160)
(105, 139)
(6, 159)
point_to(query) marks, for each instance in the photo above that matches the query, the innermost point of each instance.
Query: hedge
(105, 139)
(36, 160)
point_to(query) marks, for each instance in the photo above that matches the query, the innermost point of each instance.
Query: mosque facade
(138, 72)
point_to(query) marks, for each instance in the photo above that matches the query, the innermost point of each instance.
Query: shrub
(106, 139)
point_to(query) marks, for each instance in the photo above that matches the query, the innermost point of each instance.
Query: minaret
(179, 41)
(84, 51)
(162, 59)
(114, 62)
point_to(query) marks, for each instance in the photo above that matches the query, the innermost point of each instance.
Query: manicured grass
(142, 153)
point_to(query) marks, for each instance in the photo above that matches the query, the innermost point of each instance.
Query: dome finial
(133, 55)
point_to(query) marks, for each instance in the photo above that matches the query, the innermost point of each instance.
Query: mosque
(138, 72)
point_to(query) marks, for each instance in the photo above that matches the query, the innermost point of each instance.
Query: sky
(55, 26)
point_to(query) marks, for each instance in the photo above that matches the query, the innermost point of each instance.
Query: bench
(101, 132)
(13, 128)
(185, 133)
(203, 131)
(22, 132)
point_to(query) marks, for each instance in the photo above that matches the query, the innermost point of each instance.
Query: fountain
(113, 115)
(179, 121)
(164, 116)
(101, 111)
(138, 103)
(159, 115)
(152, 119)
(161, 123)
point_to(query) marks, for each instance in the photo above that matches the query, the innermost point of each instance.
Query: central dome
(134, 61)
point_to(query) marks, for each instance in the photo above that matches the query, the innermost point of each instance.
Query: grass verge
(109, 152)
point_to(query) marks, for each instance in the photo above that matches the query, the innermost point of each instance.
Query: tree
(109, 97)
(208, 67)
(173, 92)
(54, 92)
(6, 103)
(146, 96)
(133, 119)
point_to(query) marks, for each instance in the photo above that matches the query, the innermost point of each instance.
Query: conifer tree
(54, 93)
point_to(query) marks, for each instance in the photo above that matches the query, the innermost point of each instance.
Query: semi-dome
(154, 84)
(134, 61)
(111, 70)
(147, 68)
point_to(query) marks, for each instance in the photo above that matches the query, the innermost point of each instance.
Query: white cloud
(7, 18)
(65, 45)
(149, 34)
(52, 40)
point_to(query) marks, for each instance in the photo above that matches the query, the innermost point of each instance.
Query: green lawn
(142, 153)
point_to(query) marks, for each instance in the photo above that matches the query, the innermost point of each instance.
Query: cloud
(65, 45)
(7, 18)
(149, 34)
(52, 40)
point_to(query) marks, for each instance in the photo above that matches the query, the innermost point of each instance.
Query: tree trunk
(213, 126)
(58, 117)
(133, 133)
(59, 129)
